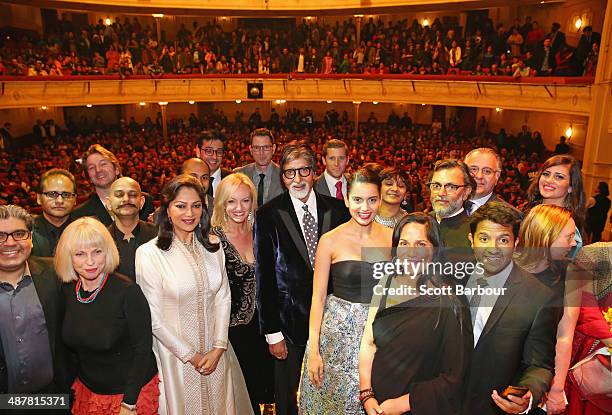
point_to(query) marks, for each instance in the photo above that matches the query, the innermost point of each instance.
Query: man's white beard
(299, 194)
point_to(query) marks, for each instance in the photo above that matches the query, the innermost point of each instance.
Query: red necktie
(339, 190)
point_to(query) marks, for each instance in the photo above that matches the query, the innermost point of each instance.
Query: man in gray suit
(485, 167)
(264, 173)
(335, 159)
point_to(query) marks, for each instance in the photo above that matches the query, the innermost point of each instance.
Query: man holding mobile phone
(513, 319)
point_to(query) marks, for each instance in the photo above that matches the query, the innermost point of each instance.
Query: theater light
(425, 22)
(191, 102)
(142, 103)
(422, 105)
(89, 105)
(569, 132)
(107, 21)
(498, 109)
(44, 108)
(578, 23)
(358, 16)
(163, 103)
(238, 101)
(357, 102)
(329, 101)
(375, 102)
(158, 15)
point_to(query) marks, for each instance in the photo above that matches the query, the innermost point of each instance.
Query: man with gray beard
(287, 230)
(450, 185)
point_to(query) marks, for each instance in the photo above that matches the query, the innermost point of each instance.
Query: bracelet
(128, 406)
(365, 394)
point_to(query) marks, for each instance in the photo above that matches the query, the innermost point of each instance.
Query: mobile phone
(515, 391)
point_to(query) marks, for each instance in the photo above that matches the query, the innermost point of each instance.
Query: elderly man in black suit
(485, 167)
(287, 230)
(32, 358)
(515, 322)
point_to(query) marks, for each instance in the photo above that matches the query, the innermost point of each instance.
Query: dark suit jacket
(48, 288)
(517, 345)
(320, 185)
(283, 271)
(276, 185)
(93, 206)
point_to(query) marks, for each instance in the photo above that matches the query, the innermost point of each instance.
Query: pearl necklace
(93, 295)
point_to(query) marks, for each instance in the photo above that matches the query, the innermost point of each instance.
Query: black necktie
(469, 207)
(260, 189)
(210, 187)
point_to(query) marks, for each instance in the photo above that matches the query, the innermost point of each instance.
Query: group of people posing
(252, 287)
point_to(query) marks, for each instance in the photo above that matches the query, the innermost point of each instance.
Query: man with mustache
(125, 201)
(57, 197)
(450, 185)
(287, 230)
(103, 168)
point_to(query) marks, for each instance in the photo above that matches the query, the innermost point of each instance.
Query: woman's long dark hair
(165, 232)
(435, 238)
(575, 201)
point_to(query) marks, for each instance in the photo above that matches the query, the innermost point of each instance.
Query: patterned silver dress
(344, 318)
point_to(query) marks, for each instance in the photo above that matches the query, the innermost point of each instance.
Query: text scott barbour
(435, 291)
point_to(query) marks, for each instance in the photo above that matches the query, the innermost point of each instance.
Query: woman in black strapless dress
(330, 381)
(416, 349)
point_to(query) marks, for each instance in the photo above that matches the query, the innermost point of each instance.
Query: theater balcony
(570, 95)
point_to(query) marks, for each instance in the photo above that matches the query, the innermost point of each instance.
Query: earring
(250, 217)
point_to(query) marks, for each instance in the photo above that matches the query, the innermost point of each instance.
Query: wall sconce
(425, 22)
(357, 102)
(163, 103)
(158, 15)
(89, 105)
(238, 101)
(191, 102)
(107, 21)
(44, 108)
(329, 101)
(142, 103)
(569, 132)
(375, 102)
(498, 110)
(578, 23)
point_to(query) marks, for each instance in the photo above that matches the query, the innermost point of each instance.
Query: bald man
(199, 169)
(125, 201)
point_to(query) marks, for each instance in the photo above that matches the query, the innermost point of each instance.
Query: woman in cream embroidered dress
(182, 274)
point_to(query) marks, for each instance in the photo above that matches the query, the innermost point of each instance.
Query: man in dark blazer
(485, 167)
(32, 356)
(263, 172)
(514, 328)
(333, 181)
(286, 232)
(210, 147)
(103, 168)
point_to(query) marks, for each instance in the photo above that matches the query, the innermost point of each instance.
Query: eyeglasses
(290, 173)
(54, 195)
(266, 148)
(210, 151)
(18, 235)
(449, 188)
(486, 171)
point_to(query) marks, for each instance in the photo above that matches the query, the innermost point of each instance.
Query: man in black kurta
(129, 232)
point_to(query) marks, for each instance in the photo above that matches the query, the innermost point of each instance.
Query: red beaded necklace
(93, 295)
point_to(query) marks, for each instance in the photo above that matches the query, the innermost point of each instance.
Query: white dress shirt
(477, 203)
(216, 181)
(331, 184)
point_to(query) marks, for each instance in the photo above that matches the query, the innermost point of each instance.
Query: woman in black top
(416, 349)
(107, 325)
(232, 221)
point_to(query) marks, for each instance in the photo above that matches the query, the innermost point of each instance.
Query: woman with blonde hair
(182, 274)
(546, 238)
(107, 325)
(232, 223)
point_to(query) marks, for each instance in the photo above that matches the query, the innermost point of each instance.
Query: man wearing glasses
(264, 173)
(57, 197)
(485, 167)
(31, 353)
(450, 185)
(210, 148)
(287, 230)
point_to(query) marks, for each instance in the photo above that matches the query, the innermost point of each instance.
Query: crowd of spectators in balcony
(152, 160)
(127, 47)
